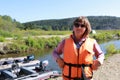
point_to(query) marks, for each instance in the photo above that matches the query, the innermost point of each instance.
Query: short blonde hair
(85, 21)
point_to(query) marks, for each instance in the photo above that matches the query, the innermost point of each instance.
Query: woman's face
(79, 29)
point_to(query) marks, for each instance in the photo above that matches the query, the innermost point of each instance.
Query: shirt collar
(82, 40)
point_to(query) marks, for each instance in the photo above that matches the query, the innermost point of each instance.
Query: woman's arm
(99, 56)
(57, 52)
(98, 53)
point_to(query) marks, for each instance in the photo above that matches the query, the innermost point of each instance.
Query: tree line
(97, 23)
(8, 24)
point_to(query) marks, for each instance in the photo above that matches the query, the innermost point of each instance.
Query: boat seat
(27, 70)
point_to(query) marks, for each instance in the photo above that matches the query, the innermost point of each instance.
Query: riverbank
(110, 70)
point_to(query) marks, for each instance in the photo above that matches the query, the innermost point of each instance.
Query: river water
(47, 54)
(53, 66)
(116, 43)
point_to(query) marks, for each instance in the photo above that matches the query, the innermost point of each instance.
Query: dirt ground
(110, 70)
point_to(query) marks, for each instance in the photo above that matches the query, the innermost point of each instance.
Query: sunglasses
(79, 25)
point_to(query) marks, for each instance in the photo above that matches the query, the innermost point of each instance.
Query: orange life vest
(76, 58)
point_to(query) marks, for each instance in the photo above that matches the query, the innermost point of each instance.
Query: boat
(7, 63)
(25, 68)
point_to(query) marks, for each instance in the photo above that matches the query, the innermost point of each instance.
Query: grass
(111, 50)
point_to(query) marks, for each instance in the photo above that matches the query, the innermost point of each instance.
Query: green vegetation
(2, 39)
(97, 23)
(5, 33)
(29, 40)
(8, 24)
(25, 36)
(111, 50)
(41, 32)
(33, 44)
(106, 35)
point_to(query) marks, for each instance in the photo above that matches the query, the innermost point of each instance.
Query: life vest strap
(78, 65)
(76, 78)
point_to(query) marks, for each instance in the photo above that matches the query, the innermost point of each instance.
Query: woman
(78, 50)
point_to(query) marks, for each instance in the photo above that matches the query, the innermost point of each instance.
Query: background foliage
(97, 23)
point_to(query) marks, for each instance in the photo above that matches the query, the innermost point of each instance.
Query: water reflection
(47, 54)
(37, 54)
(52, 64)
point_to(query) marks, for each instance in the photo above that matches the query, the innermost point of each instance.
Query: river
(116, 43)
(54, 66)
(47, 54)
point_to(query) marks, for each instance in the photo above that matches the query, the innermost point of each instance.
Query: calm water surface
(54, 66)
(116, 43)
(47, 54)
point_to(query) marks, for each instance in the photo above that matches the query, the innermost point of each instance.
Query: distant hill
(97, 22)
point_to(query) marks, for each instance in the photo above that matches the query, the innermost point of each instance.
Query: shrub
(110, 50)
(2, 39)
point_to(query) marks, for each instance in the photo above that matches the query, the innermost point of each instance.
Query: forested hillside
(104, 22)
(97, 22)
